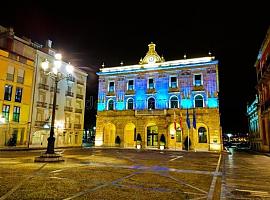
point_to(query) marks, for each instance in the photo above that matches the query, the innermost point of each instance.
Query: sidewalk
(33, 148)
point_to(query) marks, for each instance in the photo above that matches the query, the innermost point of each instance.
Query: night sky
(89, 35)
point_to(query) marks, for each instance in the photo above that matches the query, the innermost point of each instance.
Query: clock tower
(151, 56)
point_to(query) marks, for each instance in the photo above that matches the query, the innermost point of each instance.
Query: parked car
(243, 146)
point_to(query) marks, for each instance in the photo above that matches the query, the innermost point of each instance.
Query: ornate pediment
(151, 56)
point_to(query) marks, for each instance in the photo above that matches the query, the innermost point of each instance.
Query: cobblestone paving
(246, 176)
(110, 174)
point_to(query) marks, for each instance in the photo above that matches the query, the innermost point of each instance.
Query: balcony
(41, 104)
(77, 126)
(52, 90)
(51, 106)
(80, 82)
(10, 77)
(264, 73)
(78, 110)
(43, 86)
(151, 91)
(79, 96)
(130, 92)
(198, 88)
(20, 79)
(111, 93)
(150, 112)
(69, 94)
(67, 125)
(265, 106)
(40, 123)
(71, 78)
(68, 109)
(175, 89)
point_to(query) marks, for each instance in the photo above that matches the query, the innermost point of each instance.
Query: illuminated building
(140, 100)
(21, 66)
(262, 65)
(253, 124)
(16, 80)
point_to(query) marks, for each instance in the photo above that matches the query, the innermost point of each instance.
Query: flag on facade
(174, 119)
(188, 121)
(181, 124)
(194, 119)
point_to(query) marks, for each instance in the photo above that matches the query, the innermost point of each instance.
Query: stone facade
(154, 99)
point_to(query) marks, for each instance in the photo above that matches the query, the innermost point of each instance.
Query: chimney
(48, 44)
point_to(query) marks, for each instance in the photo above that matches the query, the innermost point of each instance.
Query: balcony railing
(198, 88)
(10, 77)
(70, 94)
(20, 79)
(77, 126)
(71, 78)
(39, 123)
(68, 109)
(264, 73)
(43, 86)
(80, 82)
(151, 112)
(78, 110)
(111, 93)
(52, 90)
(151, 91)
(51, 106)
(67, 125)
(173, 89)
(42, 104)
(79, 96)
(130, 92)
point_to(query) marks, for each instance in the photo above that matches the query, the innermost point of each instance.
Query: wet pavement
(135, 174)
(246, 175)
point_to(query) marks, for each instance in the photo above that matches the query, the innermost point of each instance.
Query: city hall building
(160, 104)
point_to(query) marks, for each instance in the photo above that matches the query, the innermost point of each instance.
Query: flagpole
(188, 140)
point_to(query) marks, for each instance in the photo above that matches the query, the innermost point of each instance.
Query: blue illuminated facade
(162, 92)
(151, 98)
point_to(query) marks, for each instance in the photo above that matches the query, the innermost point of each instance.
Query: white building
(70, 104)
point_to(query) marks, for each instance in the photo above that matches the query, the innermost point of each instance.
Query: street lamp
(56, 76)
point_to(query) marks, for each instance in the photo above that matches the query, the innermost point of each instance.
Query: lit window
(130, 104)
(111, 87)
(16, 113)
(8, 92)
(18, 95)
(174, 102)
(130, 85)
(198, 79)
(151, 103)
(202, 133)
(110, 104)
(178, 135)
(173, 82)
(151, 83)
(5, 112)
(199, 101)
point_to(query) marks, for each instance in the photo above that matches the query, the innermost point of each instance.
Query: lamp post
(56, 76)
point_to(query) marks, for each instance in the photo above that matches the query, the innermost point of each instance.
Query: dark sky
(111, 33)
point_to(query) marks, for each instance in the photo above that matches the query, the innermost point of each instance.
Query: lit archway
(129, 135)
(109, 134)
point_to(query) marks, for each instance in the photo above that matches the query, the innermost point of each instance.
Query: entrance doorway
(152, 136)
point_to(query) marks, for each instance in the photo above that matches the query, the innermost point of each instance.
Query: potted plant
(162, 142)
(138, 141)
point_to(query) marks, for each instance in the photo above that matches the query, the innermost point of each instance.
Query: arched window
(202, 133)
(151, 103)
(130, 104)
(110, 104)
(198, 101)
(174, 102)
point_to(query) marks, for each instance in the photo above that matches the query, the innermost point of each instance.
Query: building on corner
(160, 103)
